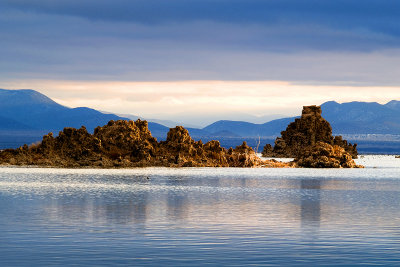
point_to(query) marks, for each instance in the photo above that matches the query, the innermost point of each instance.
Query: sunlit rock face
(323, 155)
(130, 144)
(126, 142)
(181, 150)
(304, 133)
(119, 143)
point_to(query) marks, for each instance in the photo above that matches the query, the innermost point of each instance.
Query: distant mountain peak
(29, 109)
(24, 97)
(332, 102)
(394, 104)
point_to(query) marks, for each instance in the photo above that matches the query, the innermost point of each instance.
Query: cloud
(335, 14)
(314, 42)
(326, 25)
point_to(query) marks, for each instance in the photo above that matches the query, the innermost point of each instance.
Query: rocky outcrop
(323, 155)
(126, 143)
(180, 149)
(350, 148)
(130, 144)
(119, 143)
(304, 133)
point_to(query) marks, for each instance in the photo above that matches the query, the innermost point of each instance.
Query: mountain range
(346, 118)
(25, 115)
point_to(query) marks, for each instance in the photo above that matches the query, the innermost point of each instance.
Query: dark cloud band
(200, 39)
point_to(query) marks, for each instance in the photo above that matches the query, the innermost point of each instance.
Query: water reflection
(107, 210)
(248, 202)
(177, 202)
(216, 219)
(218, 200)
(310, 202)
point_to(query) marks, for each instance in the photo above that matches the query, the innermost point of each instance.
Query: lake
(201, 216)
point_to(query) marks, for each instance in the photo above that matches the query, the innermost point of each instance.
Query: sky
(196, 61)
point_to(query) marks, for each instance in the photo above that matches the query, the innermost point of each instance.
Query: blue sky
(68, 49)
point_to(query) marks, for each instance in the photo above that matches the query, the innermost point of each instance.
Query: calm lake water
(201, 216)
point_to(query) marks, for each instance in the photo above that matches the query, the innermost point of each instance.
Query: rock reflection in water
(206, 201)
(177, 202)
(310, 202)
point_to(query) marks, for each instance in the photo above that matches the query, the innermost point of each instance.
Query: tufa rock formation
(323, 155)
(304, 133)
(130, 144)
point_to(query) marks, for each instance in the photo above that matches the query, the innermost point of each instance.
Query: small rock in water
(323, 155)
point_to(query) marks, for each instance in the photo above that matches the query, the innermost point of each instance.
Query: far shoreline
(182, 167)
